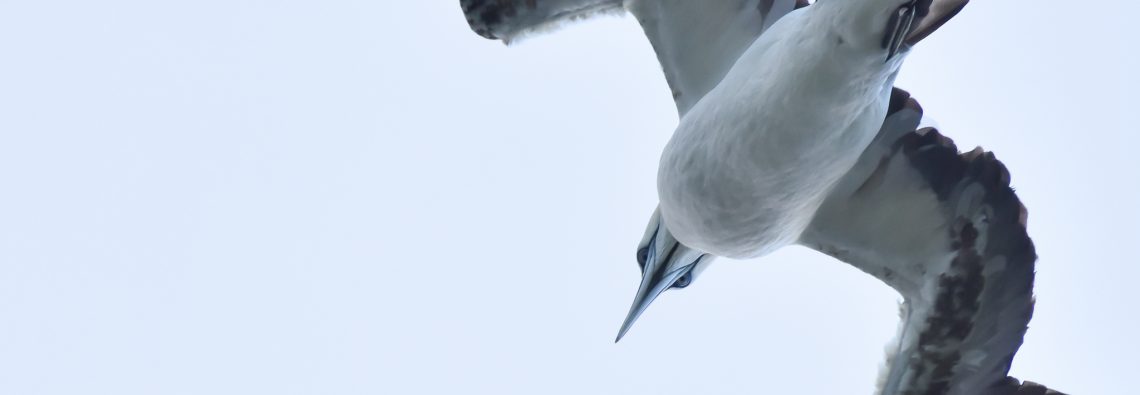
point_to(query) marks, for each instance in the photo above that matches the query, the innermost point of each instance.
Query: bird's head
(665, 264)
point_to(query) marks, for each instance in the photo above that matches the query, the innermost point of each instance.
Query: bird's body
(791, 132)
(751, 162)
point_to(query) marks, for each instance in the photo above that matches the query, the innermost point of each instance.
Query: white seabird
(791, 133)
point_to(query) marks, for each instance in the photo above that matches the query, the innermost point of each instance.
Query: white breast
(753, 160)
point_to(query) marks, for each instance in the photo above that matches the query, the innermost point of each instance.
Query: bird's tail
(931, 15)
(508, 19)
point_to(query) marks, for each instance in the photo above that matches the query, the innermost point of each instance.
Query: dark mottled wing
(945, 230)
(696, 41)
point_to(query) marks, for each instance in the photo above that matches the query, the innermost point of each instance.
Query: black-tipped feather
(505, 19)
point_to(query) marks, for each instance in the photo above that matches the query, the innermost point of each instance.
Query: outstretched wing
(945, 230)
(697, 42)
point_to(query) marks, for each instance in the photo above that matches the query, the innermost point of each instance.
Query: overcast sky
(364, 197)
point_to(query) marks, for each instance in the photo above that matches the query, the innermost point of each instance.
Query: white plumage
(752, 161)
(791, 132)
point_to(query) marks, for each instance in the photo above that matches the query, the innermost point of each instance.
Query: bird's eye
(642, 256)
(683, 281)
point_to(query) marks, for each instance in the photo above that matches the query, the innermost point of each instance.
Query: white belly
(731, 203)
(751, 163)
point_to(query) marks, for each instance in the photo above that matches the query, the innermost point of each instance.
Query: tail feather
(931, 15)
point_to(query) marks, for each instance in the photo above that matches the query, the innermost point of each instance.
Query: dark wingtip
(485, 16)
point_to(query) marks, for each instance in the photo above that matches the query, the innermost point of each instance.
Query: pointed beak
(653, 283)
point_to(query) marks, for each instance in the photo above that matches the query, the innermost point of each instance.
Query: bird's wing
(697, 42)
(509, 19)
(945, 229)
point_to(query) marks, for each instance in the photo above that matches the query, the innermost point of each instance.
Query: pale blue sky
(364, 197)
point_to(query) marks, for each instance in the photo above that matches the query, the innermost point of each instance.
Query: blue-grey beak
(653, 282)
(665, 263)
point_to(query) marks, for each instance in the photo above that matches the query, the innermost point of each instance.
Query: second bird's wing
(945, 229)
(697, 41)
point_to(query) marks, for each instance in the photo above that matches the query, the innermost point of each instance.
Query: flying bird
(792, 132)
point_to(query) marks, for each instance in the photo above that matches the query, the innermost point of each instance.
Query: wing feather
(696, 42)
(946, 230)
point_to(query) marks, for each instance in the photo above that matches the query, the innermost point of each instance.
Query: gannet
(791, 132)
